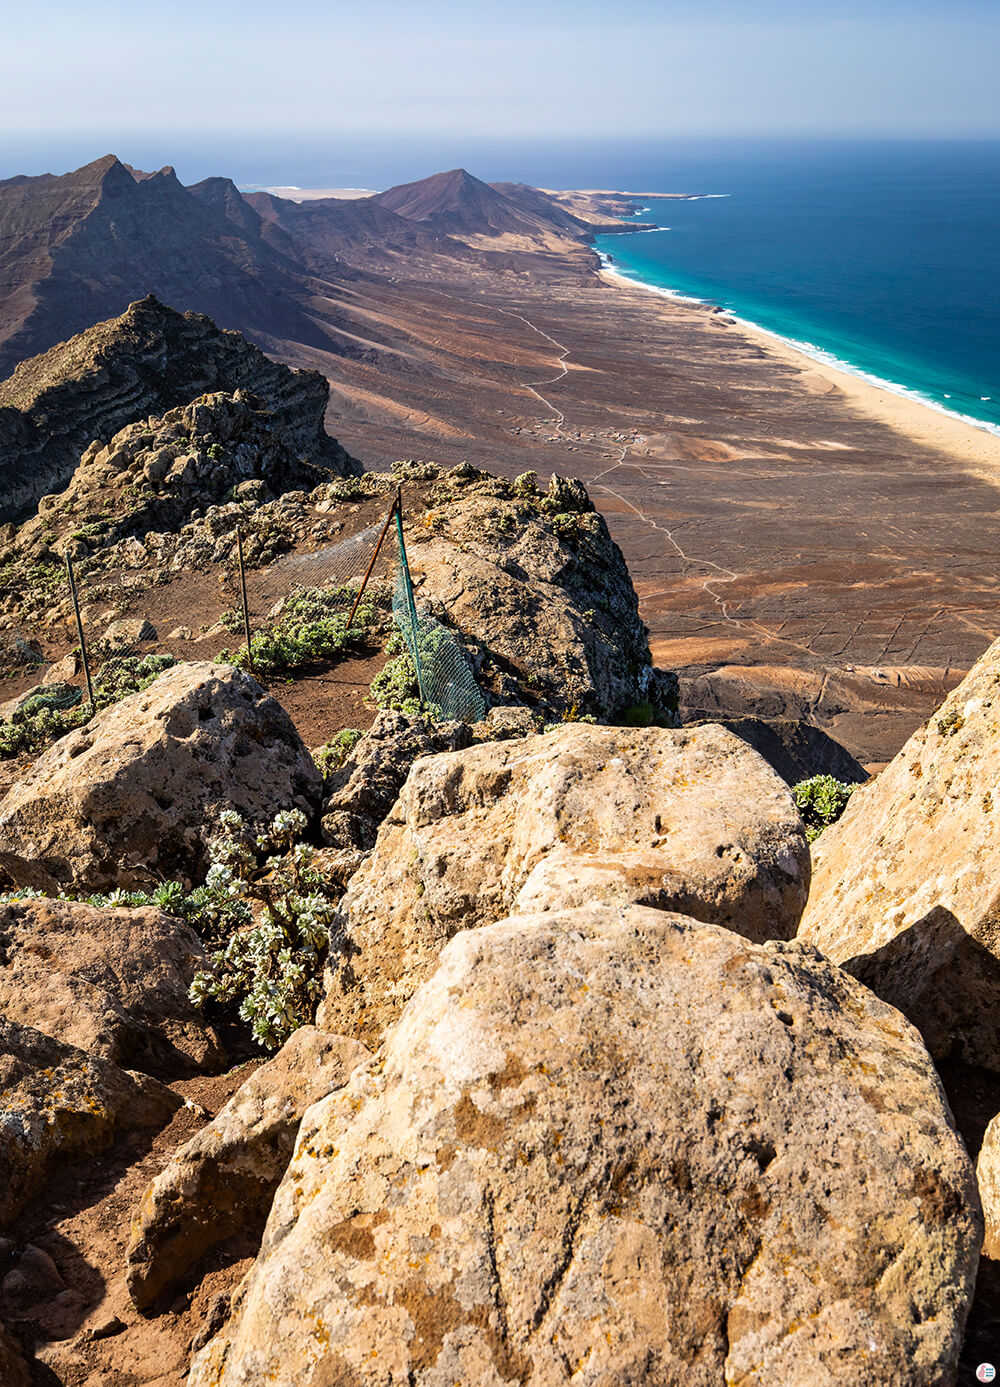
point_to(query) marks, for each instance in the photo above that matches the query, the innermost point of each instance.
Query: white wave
(820, 354)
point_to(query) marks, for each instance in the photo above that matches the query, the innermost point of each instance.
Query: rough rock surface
(57, 1102)
(147, 361)
(223, 1180)
(988, 1176)
(129, 799)
(620, 1147)
(113, 982)
(542, 595)
(682, 820)
(13, 1369)
(906, 886)
(360, 793)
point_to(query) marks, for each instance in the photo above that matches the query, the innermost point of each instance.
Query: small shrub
(331, 757)
(821, 800)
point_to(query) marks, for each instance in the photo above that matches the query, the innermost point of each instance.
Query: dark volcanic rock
(149, 360)
(155, 472)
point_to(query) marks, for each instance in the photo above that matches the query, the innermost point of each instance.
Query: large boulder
(111, 981)
(681, 820)
(542, 596)
(797, 749)
(906, 886)
(222, 1181)
(620, 1146)
(56, 1103)
(132, 797)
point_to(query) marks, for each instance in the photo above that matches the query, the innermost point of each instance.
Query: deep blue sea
(882, 256)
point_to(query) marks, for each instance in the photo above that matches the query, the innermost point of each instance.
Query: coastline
(975, 445)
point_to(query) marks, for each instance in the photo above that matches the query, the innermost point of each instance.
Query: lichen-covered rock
(57, 1102)
(148, 361)
(906, 886)
(620, 1147)
(544, 600)
(223, 1180)
(113, 982)
(131, 798)
(681, 820)
(154, 472)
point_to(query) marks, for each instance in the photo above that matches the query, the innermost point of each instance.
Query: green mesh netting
(447, 682)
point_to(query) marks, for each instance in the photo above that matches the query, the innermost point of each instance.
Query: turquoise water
(881, 258)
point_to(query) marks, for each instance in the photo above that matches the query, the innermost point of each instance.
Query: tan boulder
(56, 1103)
(620, 1147)
(681, 820)
(906, 886)
(222, 1181)
(111, 981)
(988, 1176)
(131, 798)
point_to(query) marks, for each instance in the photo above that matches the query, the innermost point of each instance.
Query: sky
(97, 75)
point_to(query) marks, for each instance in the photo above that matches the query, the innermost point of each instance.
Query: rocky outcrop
(906, 886)
(155, 472)
(223, 1180)
(113, 982)
(360, 793)
(541, 594)
(148, 361)
(57, 1103)
(692, 821)
(131, 798)
(619, 1146)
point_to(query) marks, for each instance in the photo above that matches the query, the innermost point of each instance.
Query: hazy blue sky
(553, 68)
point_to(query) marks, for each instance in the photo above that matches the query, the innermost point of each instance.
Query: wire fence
(300, 611)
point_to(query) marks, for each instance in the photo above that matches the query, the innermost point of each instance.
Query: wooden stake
(364, 582)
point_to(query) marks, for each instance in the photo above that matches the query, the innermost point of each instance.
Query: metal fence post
(79, 631)
(368, 573)
(411, 604)
(243, 594)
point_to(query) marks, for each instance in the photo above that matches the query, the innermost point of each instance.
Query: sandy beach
(977, 448)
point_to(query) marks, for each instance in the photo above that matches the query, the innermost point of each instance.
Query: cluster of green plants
(264, 912)
(312, 627)
(821, 800)
(41, 720)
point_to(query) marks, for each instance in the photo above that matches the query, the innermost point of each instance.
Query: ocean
(880, 258)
